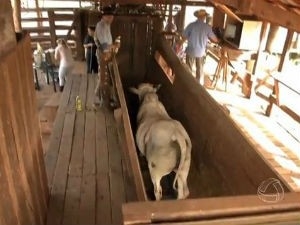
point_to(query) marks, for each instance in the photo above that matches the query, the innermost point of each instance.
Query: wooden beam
(7, 31)
(266, 11)
(46, 9)
(38, 12)
(36, 29)
(16, 5)
(228, 11)
(218, 18)
(286, 48)
(52, 28)
(63, 17)
(262, 45)
(205, 209)
(230, 3)
(34, 19)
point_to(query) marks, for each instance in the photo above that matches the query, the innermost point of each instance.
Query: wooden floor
(279, 149)
(84, 164)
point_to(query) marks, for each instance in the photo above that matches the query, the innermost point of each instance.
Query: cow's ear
(134, 90)
(157, 87)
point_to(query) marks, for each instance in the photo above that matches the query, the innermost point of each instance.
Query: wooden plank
(115, 170)
(56, 203)
(16, 5)
(35, 19)
(55, 139)
(74, 93)
(7, 213)
(205, 208)
(72, 202)
(32, 127)
(83, 89)
(91, 92)
(76, 162)
(130, 194)
(286, 48)
(7, 32)
(64, 17)
(12, 193)
(285, 218)
(131, 149)
(103, 210)
(88, 184)
(36, 29)
(19, 113)
(52, 28)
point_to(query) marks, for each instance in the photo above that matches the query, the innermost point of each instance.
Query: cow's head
(143, 89)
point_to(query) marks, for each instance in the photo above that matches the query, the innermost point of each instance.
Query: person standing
(90, 51)
(105, 45)
(197, 35)
(63, 54)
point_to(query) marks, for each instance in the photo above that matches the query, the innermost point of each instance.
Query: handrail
(131, 149)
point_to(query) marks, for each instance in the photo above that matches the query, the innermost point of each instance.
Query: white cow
(163, 141)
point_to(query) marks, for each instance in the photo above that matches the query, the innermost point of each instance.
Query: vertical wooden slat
(20, 141)
(34, 139)
(17, 105)
(7, 213)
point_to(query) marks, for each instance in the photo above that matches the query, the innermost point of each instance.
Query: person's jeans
(190, 61)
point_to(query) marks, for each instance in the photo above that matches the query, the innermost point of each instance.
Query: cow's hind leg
(182, 178)
(156, 184)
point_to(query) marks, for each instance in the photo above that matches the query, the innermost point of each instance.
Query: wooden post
(286, 47)
(7, 32)
(38, 13)
(52, 28)
(218, 18)
(180, 19)
(272, 38)
(78, 34)
(16, 5)
(262, 45)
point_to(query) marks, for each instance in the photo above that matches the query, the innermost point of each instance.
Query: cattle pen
(92, 172)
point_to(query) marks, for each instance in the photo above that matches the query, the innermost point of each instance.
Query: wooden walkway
(279, 149)
(85, 170)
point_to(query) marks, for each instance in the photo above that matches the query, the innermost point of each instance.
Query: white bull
(163, 141)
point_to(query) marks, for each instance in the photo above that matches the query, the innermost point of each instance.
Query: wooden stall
(225, 166)
(23, 189)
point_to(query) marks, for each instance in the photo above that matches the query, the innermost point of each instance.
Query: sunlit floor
(276, 145)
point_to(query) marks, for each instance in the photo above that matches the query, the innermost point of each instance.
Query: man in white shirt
(103, 40)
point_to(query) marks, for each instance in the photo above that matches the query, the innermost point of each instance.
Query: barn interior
(244, 130)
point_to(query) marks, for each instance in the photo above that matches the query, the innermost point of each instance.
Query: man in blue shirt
(197, 35)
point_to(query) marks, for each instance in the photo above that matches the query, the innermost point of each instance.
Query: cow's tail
(181, 140)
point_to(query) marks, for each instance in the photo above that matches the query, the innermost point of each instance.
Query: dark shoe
(61, 88)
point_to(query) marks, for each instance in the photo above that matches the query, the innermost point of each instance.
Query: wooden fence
(23, 182)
